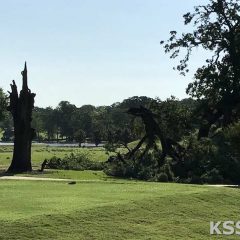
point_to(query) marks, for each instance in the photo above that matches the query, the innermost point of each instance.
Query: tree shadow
(236, 187)
(5, 173)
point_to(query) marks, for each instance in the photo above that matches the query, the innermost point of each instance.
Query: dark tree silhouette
(153, 131)
(216, 28)
(21, 106)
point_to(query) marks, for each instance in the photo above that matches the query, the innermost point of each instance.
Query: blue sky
(92, 51)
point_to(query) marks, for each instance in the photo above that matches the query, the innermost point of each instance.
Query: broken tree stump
(21, 106)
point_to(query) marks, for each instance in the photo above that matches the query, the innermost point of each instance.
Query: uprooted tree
(21, 106)
(132, 163)
(152, 133)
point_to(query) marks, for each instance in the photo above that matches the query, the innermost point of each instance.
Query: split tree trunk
(21, 106)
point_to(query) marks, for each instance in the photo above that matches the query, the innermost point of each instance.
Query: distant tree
(80, 136)
(3, 104)
(124, 137)
(217, 85)
(66, 111)
(174, 117)
(7, 126)
(8, 134)
(97, 137)
(86, 115)
(136, 102)
(37, 122)
(49, 122)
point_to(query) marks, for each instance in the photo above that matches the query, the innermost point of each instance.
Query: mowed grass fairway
(101, 207)
(112, 210)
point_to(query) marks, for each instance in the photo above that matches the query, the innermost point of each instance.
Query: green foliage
(199, 162)
(162, 177)
(7, 126)
(213, 176)
(111, 147)
(232, 140)
(214, 160)
(78, 161)
(65, 120)
(80, 136)
(206, 160)
(174, 117)
(46, 120)
(228, 160)
(97, 137)
(8, 134)
(140, 167)
(215, 29)
(3, 104)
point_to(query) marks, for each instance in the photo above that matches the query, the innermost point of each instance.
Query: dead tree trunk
(21, 106)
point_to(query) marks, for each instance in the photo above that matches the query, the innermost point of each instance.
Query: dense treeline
(69, 123)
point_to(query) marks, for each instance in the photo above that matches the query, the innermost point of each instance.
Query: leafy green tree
(8, 134)
(80, 136)
(174, 117)
(7, 126)
(6, 123)
(66, 111)
(3, 104)
(49, 122)
(86, 115)
(97, 137)
(217, 30)
(37, 122)
(136, 102)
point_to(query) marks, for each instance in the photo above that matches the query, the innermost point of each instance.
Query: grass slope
(69, 174)
(112, 210)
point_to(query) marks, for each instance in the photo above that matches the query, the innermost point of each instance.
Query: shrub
(215, 160)
(198, 159)
(78, 161)
(143, 168)
(228, 161)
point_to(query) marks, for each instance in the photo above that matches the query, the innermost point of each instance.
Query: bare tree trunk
(21, 107)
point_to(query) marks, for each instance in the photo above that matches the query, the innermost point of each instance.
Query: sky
(93, 51)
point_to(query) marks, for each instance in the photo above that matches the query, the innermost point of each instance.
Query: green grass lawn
(39, 153)
(112, 210)
(102, 207)
(86, 175)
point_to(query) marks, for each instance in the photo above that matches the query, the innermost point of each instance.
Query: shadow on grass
(236, 187)
(37, 173)
(3, 173)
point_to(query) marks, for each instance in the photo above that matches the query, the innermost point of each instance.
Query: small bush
(141, 167)
(78, 161)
